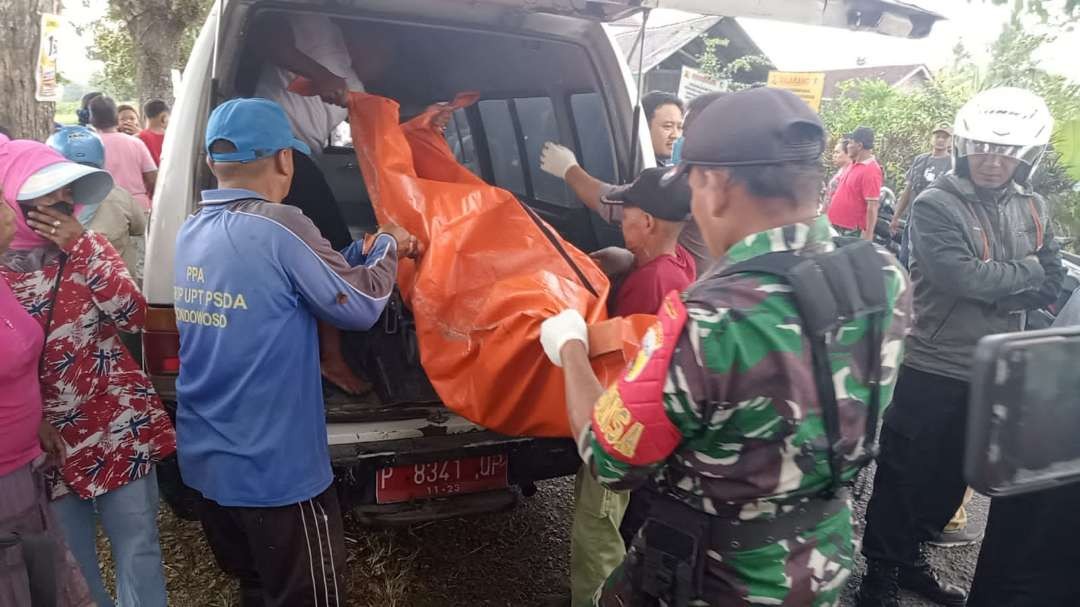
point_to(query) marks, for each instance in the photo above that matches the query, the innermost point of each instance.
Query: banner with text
(694, 83)
(809, 86)
(45, 76)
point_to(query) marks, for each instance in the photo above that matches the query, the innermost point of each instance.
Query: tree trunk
(154, 60)
(20, 30)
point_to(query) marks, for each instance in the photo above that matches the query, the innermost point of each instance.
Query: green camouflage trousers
(596, 548)
(809, 570)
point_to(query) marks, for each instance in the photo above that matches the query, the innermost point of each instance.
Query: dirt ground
(518, 558)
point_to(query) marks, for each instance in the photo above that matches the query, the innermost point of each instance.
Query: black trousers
(288, 556)
(637, 512)
(1030, 556)
(311, 194)
(919, 482)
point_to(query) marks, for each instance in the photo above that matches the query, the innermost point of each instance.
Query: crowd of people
(715, 470)
(84, 428)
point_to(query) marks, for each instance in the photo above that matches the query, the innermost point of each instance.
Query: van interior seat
(528, 87)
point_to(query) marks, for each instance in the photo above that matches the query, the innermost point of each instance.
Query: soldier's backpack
(830, 290)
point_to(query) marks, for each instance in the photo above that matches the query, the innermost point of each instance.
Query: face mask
(676, 151)
(64, 207)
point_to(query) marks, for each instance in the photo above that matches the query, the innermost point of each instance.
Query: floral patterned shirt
(94, 392)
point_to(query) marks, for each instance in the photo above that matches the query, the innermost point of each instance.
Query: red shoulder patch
(629, 420)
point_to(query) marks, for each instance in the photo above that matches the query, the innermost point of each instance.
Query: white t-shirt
(312, 120)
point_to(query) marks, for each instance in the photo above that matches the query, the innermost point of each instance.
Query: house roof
(894, 75)
(662, 39)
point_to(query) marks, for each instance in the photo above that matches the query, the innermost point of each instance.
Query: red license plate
(440, 479)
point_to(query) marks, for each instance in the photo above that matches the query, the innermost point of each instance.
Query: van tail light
(161, 341)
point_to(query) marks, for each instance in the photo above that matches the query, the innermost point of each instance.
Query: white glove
(557, 160)
(566, 326)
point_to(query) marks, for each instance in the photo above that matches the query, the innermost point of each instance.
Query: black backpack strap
(830, 290)
(52, 308)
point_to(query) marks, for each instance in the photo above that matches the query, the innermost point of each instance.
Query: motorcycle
(883, 236)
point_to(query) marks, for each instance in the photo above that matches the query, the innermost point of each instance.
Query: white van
(546, 70)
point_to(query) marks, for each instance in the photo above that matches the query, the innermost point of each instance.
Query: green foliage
(65, 112)
(1068, 147)
(1039, 7)
(736, 74)
(903, 120)
(113, 46)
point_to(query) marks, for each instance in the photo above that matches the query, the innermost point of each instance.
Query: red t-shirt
(861, 182)
(643, 290)
(153, 143)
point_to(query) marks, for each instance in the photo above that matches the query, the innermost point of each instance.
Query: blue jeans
(129, 516)
(905, 246)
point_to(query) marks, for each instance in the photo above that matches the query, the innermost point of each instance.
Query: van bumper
(359, 450)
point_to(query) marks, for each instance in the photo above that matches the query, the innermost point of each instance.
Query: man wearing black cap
(924, 171)
(854, 206)
(733, 406)
(653, 219)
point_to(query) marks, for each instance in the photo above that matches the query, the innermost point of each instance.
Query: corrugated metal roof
(662, 40)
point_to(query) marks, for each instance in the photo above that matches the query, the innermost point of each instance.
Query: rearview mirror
(1023, 430)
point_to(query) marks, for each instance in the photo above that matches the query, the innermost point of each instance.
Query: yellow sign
(48, 89)
(809, 86)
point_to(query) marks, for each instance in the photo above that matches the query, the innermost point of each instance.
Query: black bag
(388, 356)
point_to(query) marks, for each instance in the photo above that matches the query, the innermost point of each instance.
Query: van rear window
(514, 126)
(459, 136)
(538, 125)
(594, 136)
(503, 145)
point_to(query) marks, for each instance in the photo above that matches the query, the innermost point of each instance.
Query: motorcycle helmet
(1004, 121)
(79, 144)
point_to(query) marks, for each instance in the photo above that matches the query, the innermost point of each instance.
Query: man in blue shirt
(252, 277)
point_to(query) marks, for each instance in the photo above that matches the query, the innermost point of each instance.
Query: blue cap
(257, 127)
(78, 144)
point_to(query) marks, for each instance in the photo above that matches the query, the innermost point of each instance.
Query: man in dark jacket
(983, 254)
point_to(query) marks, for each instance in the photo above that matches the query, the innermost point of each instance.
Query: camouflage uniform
(739, 391)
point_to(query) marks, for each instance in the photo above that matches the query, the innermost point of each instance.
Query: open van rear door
(889, 17)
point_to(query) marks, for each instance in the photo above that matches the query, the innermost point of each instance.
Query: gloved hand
(564, 327)
(557, 160)
(1035, 299)
(1048, 258)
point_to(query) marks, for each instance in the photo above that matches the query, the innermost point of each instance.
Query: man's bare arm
(149, 181)
(277, 45)
(901, 208)
(583, 389)
(587, 188)
(871, 218)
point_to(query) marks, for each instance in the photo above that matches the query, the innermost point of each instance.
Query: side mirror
(1023, 431)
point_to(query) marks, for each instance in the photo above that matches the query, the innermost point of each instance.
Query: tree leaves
(903, 120)
(1040, 7)
(1067, 145)
(113, 46)
(736, 74)
(114, 40)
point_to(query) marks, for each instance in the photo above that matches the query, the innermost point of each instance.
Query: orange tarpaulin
(491, 273)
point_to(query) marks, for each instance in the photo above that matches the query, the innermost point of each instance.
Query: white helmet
(1004, 121)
